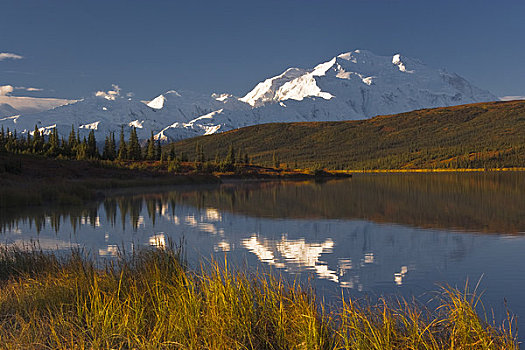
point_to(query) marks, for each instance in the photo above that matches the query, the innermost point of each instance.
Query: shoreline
(437, 170)
(27, 180)
(36, 181)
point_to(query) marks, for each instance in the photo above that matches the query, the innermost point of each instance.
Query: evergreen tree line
(76, 148)
(204, 163)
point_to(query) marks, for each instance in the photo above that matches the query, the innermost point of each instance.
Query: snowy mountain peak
(157, 102)
(322, 68)
(358, 55)
(265, 91)
(360, 59)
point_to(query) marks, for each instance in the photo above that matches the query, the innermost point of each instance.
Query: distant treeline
(483, 135)
(74, 147)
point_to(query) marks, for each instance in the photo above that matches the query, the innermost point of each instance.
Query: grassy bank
(28, 180)
(151, 301)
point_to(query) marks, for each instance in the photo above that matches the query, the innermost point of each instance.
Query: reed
(151, 300)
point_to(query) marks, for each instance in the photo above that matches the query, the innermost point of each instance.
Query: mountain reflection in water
(387, 233)
(478, 202)
(263, 218)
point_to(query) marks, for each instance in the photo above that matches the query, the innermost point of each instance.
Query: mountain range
(353, 85)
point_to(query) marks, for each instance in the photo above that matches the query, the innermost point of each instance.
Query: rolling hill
(481, 135)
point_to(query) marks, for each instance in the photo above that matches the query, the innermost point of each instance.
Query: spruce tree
(150, 148)
(38, 141)
(63, 147)
(28, 140)
(172, 151)
(3, 139)
(146, 149)
(112, 147)
(122, 147)
(105, 150)
(54, 143)
(197, 148)
(199, 153)
(7, 142)
(81, 152)
(239, 157)
(72, 139)
(276, 162)
(158, 150)
(230, 157)
(134, 151)
(92, 151)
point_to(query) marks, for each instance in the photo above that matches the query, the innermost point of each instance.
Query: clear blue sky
(73, 48)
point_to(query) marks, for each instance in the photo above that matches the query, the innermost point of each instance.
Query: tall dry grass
(150, 300)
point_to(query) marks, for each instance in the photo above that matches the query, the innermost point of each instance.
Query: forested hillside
(482, 135)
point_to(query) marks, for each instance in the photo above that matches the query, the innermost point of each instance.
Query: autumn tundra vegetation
(482, 136)
(152, 300)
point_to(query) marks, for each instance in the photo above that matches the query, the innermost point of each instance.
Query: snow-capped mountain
(353, 85)
(362, 84)
(190, 113)
(100, 114)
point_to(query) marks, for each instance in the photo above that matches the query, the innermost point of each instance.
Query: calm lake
(372, 235)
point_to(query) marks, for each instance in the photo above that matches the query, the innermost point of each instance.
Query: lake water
(370, 235)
